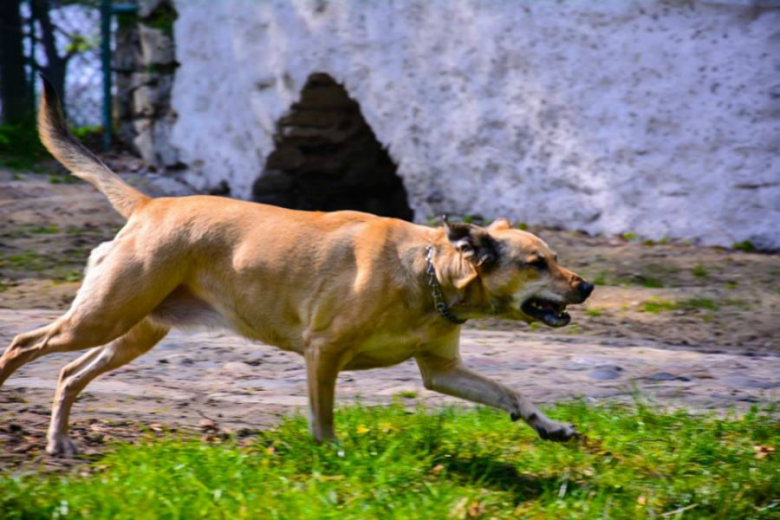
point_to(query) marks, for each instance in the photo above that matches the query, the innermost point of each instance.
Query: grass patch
(651, 283)
(63, 179)
(621, 280)
(51, 229)
(638, 462)
(658, 305)
(745, 246)
(594, 312)
(700, 303)
(27, 260)
(700, 272)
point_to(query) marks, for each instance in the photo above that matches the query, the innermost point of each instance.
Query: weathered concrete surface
(656, 117)
(246, 385)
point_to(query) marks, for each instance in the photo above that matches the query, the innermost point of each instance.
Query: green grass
(745, 246)
(51, 229)
(651, 283)
(594, 312)
(657, 305)
(700, 272)
(29, 260)
(617, 280)
(637, 462)
(700, 303)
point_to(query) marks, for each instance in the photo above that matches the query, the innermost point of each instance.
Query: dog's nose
(585, 289)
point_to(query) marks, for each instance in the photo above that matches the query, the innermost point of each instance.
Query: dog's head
(514, 273)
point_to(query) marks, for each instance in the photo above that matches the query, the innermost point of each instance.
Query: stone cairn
(145, 63)
(327, 158)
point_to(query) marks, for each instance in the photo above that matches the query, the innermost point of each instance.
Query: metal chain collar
(438, 297)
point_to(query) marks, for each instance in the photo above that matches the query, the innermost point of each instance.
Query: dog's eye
(539, 262)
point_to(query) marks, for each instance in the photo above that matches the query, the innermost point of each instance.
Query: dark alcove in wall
(327, 158)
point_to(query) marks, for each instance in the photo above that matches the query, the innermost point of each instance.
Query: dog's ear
(474, 243)
(500, 224)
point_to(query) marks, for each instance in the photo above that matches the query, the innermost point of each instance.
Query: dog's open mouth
(547, 311)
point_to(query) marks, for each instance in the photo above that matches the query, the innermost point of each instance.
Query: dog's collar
(438, 298)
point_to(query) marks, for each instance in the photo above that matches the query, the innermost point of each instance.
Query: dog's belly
(366, 361)
(382, 352)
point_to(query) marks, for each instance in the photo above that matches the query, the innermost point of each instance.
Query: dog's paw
(555, 431)
(61, 446)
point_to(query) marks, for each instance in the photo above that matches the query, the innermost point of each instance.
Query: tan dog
(346, 290)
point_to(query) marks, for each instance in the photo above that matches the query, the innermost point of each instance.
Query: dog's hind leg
(76, 376)
(119, 290)
(56, 337)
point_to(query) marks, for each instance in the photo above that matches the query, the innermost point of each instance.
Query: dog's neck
(460, 283)
(436, 291)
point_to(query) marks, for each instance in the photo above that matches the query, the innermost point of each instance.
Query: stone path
(247, 385)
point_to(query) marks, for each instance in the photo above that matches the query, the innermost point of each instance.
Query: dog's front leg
(322, 370)
(447, 375)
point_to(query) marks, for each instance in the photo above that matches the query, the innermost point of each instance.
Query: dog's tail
(55, 136)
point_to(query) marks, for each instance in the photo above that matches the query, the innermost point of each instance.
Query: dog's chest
(382, 350)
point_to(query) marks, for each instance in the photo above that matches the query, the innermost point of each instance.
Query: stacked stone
(145, 63)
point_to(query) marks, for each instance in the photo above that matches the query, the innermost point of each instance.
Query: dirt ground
(680, 324)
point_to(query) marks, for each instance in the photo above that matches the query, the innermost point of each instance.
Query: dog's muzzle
(547, 311)
(553, 313)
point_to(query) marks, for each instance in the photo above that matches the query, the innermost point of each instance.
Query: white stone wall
(660, 118)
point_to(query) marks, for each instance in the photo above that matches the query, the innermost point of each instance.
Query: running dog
(346, 290)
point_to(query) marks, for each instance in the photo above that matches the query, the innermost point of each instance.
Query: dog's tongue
(556, 320)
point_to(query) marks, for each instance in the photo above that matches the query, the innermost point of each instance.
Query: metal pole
(105, 58)
(33, 77)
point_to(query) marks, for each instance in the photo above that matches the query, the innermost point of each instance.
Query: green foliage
(637, 462)
(20, 147)
(700, 272)
(79, 43)
(745, 246)
(162, 18)
(87, 133)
